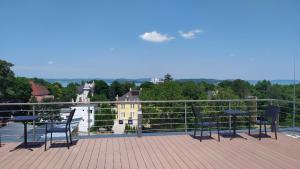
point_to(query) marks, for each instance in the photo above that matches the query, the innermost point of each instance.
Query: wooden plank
(20, 163)
(159, 155)
(123, 153)
(51, 155)
(87, 156)
(173, 153)
(102, 154)
(131, 156)
(77, 150)
(117, 154)
(41, 158)
(144, 153)
(32, 158)
(177, 150)
(152, 154)
(169, 158)
(137, 153)
(186, 152)
(6, 150)
(79, 157)
(200, 151)
(231, 150)
(95, 154)
(109, 158)
(67, 153)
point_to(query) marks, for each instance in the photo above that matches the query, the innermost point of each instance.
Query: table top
(235, 112)
(24, 118)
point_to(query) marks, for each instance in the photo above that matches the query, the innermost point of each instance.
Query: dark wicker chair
(212, 121)
(269, 117)
(60, 127)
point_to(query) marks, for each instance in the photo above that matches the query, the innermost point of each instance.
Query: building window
(122, 106)
(132, 106)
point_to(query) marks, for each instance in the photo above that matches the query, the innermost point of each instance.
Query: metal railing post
(89, 120)
(185, 118)
(34, 128)
(140, 125)
(229, 107)
(294, 113)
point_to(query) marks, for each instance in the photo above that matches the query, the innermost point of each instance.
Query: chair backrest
(197, 112)
(70, 117)
(272, 112)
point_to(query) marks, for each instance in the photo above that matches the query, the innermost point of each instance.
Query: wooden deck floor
(150, 152)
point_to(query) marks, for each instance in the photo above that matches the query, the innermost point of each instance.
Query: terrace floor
(173, 151)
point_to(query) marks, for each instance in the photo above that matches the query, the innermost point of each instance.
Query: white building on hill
(83, 114)
(84, 91)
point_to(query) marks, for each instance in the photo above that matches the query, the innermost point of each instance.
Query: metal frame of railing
(163, 115)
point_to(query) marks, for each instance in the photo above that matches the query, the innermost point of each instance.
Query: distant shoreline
(65, 82)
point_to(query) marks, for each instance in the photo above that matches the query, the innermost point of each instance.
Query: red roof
(38, 90)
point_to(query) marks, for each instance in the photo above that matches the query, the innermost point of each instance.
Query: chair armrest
(55, 122)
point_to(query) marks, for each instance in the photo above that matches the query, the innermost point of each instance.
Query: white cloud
(50, 62)
(190, 34)
(155, 37)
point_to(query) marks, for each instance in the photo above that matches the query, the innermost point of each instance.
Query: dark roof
(132, 95)
(38, 90)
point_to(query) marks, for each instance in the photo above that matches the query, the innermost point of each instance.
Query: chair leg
(218, 133)
(209, 131)
(195, 131)
(249, 126)
(51, 139)
(275, 129)
(70, 136)
(201, 133)
(67, 139)
(259, 131)
(45, 141)
(265, 130)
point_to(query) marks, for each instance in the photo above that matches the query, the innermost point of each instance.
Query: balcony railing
(98, 118)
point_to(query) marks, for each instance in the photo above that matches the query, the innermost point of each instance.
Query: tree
(191, 90)
(262, 88)
(241, 88)
(56, 90)
(101, 88)
(147, 85)
(21, 90)
(7, 78)
(116, 89)
(69, 92)
(168, 77)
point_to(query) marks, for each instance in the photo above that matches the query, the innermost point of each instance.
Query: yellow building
(127, 113)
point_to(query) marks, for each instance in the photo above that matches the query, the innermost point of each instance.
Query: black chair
(60, 127)
(269, 117)
(212, 121)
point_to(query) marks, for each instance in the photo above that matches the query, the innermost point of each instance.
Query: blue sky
(222, 39)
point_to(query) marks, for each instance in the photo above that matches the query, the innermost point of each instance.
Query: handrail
(141, 101)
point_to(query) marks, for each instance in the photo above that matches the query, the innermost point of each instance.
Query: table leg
(249, 127)
(234, 125)
(25, 134)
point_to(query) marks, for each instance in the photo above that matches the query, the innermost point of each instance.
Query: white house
(84, 91)
(84, 114)
(157, 80)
